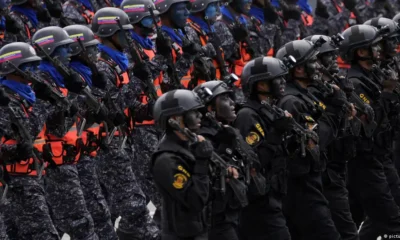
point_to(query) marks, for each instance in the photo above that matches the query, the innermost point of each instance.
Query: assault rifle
(172, 72)
(138, 59)
(219, 164)
(91, 100)
(369, 123)
(54, 94)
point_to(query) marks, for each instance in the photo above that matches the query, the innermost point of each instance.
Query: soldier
(23, 114)
(263, 82)
(226, 203)
(144, 136)
(63, 141)
(176, 51)
(340, 151)
(121, 94)
(30, 16)
(79, 12)
(304, 183)
(361, 48)
(180, 166)
(84, 57)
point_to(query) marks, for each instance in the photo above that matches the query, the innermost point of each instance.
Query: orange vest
(157, 84)
(27, 166)
(307, 19)
(67, 149)
(94, 130)
(185, 79)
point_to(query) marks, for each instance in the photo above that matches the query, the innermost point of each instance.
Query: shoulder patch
(259, 128)
(364, 98)
(179, 181)
(180, 168)
(252, 138)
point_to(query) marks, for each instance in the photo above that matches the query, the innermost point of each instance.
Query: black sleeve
(191, 189)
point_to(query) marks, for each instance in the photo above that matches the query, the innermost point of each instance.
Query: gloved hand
(72, 111)
(141, 71)
(163, 45)
(100, 81)
(369, 113)
(283, 124)
(4, 100)
(54, 8)
(227, 134)
(321, 10)
(270, 14)
(239, 32)
(350, 4)
(11, 25)
(190, 47)
(24, 150)
(75, 83)
(102, 115)
(292, 12)
(43, 15)
(202, 150)
(42, 91)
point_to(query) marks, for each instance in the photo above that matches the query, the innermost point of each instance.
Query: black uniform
(183, 182)
(263, 218)
(367, 171)
(306, 207)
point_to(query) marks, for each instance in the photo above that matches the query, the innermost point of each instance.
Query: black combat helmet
(263, 69)
(356, 37)
(83, 33)
(301, 50)
(164, 5)
(174, 103)
(200, 5)
(380, 22)
(216, 88)
(138, 9)
(49, 38)
(104, 23)
(17, 53)
(328, 46)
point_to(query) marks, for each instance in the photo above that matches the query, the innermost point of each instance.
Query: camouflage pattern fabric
(94, 198)
(67, 203)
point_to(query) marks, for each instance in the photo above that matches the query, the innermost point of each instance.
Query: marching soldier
(84, 53)
(79, 11)
(305, 197)
(263, 127)
(121, 95)
(180, 166)
(22, 140)
(362, 48)
(63, 141)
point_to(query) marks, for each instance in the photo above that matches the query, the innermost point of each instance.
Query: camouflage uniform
(76, 13)
(114, 165)
(335, 23)
(23, 35)
(376, 9)
(26, 213)
(63, 188)
(3, 230)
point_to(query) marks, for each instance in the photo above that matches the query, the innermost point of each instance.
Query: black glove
(102, 115)
(42, 91)
(141, 71)
(202, 150)
(321, 10)
(350, 4)
(239, 32)
(283, 124)
(24, 150)
(163, 45)
(227, 134)
(118, 119)
(190, 47)
(270, 14)
(43, 15)
(54, 8)
(74, 83)
(11, 25)
(4, 99)
(100, 80)
(292, 12)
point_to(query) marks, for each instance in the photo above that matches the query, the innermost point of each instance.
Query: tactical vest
(177, 51)
(29, 166)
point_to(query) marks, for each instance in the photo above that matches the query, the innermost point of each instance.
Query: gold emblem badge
(252, 138)
(179, 180)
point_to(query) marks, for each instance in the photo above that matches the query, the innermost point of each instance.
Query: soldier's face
(311, 68)
(147, 27)
(376, 50)
(212, 11)
(179, 14)
(192, 120)
(92, 52)
(278, 86)
(62, 53)
(329, 61)
(390, 47)
(225, 108)
(244, 5)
